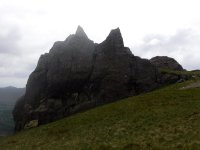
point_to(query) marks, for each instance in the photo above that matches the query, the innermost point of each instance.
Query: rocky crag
(78, 74)
(168, 66)
(165, 62)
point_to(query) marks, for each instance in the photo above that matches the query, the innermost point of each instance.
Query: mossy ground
(168, 118)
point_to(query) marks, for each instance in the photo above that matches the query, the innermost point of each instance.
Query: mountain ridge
(10, 94)
(8, 98)
(78, 74)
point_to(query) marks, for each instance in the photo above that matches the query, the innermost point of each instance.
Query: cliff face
(78, 74)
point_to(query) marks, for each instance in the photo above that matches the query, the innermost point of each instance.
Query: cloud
(183, 46)
(29, 28)
(15, 69)
(9, 41)
(15, 62)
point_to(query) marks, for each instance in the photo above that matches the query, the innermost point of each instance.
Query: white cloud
(183, 46)
(30, 27)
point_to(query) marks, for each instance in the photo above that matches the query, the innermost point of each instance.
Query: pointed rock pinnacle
(80, 32)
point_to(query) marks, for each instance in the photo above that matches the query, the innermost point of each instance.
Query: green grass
(192, 74)
(165, 119)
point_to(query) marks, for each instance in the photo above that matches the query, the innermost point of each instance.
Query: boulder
(165, 62)
(31, 124)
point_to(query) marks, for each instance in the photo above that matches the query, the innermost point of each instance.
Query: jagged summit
(115, 37)
(80, 32)
(79, 74)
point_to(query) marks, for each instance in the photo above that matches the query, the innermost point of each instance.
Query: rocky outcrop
(165, 62)
(167, 67)
(78, 74)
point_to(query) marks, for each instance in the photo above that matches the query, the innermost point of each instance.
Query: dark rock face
(78, 74)
(165, 62)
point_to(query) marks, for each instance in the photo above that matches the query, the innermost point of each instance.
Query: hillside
(167, 118)
(6, 120)
(8, 97)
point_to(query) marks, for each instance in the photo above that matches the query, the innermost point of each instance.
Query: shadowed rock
(80, 32)
(78, 74)
(165, 62)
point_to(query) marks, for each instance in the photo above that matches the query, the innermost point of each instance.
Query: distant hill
(9, 95)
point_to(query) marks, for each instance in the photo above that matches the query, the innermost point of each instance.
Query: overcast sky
(28, 28)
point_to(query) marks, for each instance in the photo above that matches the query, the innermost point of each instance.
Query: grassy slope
(167, 118)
